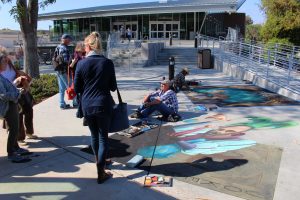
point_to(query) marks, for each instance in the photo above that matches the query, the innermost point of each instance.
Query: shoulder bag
(119, 119)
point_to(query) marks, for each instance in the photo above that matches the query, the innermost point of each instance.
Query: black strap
(119, 96)
(153, 153)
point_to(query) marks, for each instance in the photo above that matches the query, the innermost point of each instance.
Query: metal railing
(124, 52)
(277, 63)
(77, 36)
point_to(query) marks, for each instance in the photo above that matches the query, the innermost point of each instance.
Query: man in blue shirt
(163, 100)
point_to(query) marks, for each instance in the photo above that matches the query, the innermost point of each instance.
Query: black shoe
(136, 115)
(16, 158)
(64, 107)
(103, 177)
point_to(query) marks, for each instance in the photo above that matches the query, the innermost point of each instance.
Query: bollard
(171, 68)
(196, 42)
(171, 40)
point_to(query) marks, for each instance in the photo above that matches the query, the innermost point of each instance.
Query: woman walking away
(94, 79)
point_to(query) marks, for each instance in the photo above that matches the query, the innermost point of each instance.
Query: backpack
(58, 61)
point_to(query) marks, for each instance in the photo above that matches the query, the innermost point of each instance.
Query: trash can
(204, 58)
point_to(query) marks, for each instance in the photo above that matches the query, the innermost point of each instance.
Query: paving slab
(62, 171)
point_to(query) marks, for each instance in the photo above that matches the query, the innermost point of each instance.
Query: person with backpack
(61, 62)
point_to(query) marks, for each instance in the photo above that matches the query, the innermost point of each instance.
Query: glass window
(153, 27)
(165, 17)
(160, 27)
(105, 24)
(160, 34)
(153, 17)
(175, 27)
(134, 27)
(153, 34)
(145, 24)
(168, 27)
(167, 34)
(65, 26)
(134, 18)
(176, 17)
(175, 34)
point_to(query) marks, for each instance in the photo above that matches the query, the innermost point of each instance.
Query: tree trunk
(31, 61)
(27, 16)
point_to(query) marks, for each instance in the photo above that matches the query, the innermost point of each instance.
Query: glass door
(163, 30)
(133, 27)
(93, 27)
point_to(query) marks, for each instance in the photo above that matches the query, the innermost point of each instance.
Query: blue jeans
(161, 107)
(62, 79)
(99, 126)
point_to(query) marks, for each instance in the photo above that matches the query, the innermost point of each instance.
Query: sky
(250, 7)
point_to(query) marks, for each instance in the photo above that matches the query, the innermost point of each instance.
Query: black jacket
(94, 79)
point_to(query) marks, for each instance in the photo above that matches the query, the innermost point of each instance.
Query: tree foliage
(26, 13)
(249, 20)
(253, 32)
(283, 20)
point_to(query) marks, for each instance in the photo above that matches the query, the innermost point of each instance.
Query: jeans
(99, 126)
(161, 107)
(12, 119)
(62, 79)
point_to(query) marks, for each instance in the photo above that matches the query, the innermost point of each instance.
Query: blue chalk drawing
(234, 95)
(161, 152)
(208, 147)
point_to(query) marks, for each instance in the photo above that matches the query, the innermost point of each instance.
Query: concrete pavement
(59, 170)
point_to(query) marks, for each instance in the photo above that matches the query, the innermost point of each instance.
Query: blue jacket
(8, 92)
(94, 79)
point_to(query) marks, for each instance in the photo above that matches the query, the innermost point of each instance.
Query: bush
(284, 41)
(44, 87)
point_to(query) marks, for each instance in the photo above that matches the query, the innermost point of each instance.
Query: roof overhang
(179, 6)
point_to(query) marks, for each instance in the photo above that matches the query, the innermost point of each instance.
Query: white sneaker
(29, 136)
(22, 142)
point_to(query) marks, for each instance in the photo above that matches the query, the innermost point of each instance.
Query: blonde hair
(3, 52)
(79, 47)
(94, 41)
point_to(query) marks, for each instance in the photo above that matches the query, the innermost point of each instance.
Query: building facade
(181, 19)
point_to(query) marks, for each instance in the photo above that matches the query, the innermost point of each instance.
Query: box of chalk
(135, 161)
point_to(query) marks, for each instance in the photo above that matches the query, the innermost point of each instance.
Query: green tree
(26, 13)
(283, 20)
(249, 20)
(253, 32)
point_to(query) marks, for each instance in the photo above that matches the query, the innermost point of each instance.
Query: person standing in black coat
(94, 79)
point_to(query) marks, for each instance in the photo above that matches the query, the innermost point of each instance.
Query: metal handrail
(278, 63)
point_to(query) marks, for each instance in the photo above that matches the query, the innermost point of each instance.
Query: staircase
(182, 55)
(125, 54)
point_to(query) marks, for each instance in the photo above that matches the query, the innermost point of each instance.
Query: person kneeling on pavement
(179, 80)
(163, 101)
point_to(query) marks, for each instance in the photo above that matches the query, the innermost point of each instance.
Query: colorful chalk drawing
(237, 95)
(233, 95)
(197, 109)
(265, 122)
(163, 151)
(201, 138)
